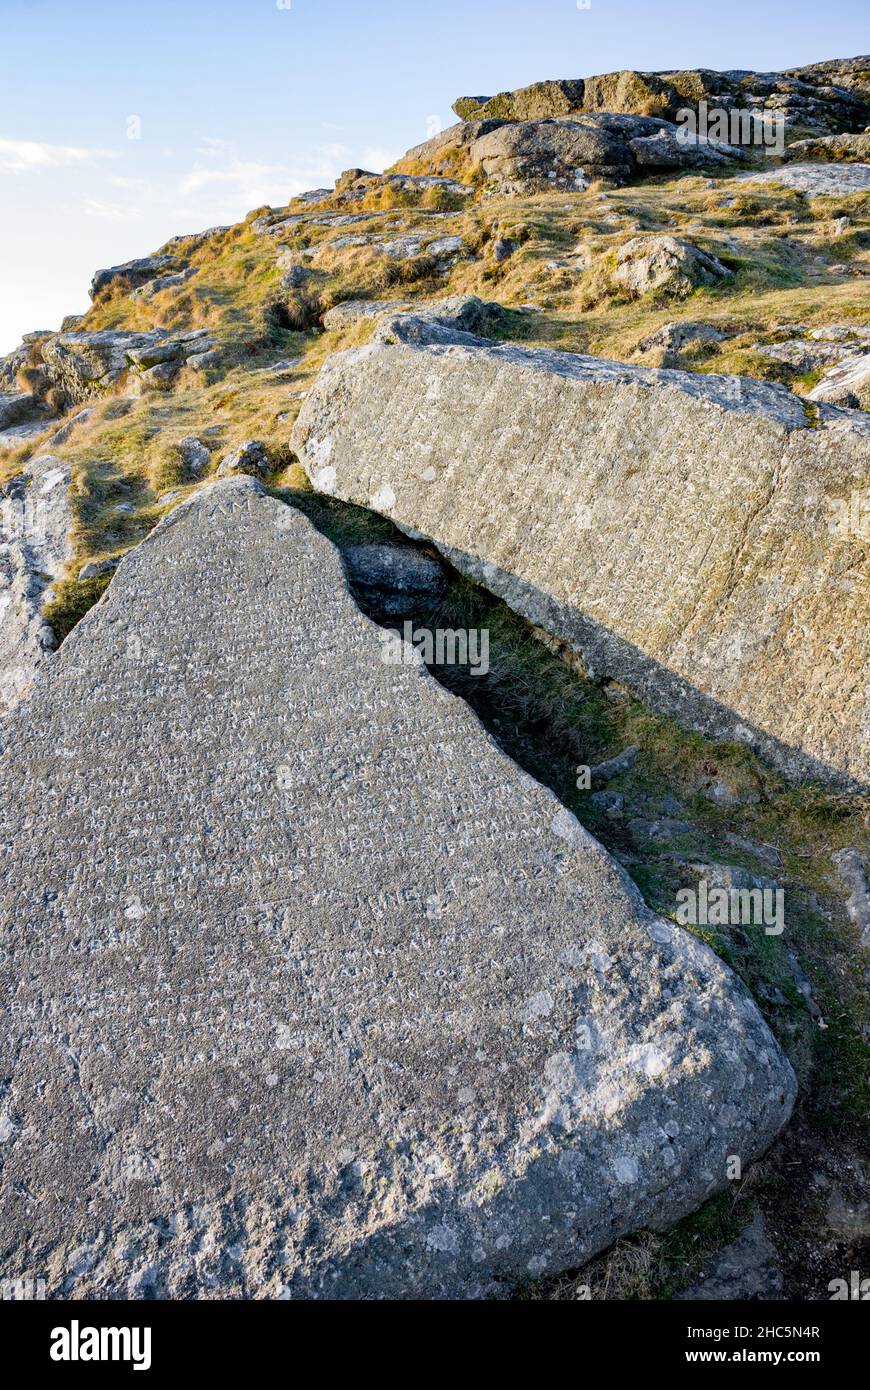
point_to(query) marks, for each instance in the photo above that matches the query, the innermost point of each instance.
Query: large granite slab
(310, 991)
(680, 531)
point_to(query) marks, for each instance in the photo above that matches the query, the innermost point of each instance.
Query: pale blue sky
(247, 101)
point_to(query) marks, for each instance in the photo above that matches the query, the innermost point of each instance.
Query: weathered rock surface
(846, 384)
(194, 454)
(823, 348)
(35, 521)
(353, 311)
(667, 263)
(803, 355)
(537, 102)
(356, 184)
(672, 528)
(848, 148)
(191, 241)
(817, 180)
(312, 991)
(10, 366)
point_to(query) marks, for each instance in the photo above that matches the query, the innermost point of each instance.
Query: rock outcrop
(517, 157)
(824, 97)
(35, 546)
(312, 991)
(164, 282)
(82, 364)
(674, 529)
(356, 184)
(621, 125)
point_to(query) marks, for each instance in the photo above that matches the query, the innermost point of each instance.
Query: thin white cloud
(34, 156)
(111, 212)
(132, 185)
(254, 183)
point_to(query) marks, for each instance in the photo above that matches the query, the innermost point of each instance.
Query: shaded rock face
(134, 273)
(21, 415)
(462, 313)
(676, 530)
(394, 579)
(667, 263)
(16, 408)
(35, 522)
(313, 992)
(827, 97)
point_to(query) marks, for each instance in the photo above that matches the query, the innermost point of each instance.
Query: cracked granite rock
(312, 991)
(35, 546)
(682, 533)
